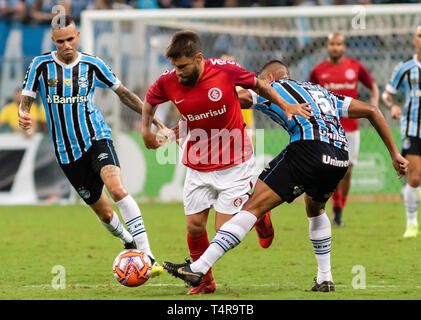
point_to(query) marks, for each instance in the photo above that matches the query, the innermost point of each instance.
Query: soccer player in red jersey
(218, 154)
(340, 74)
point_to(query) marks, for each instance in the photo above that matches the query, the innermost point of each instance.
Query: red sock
(197, 246)
(344, 198)
(337, 199)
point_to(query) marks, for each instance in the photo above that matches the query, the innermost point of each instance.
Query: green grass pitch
(370, 247)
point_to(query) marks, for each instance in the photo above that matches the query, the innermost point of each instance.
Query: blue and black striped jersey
(67, 94)
(407, 77)
(328, 107)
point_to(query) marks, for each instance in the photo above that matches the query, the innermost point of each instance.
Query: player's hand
(302, 110)
(165, 134)
(400, 164)
(152, 140)
(180, 131)
(25, 121)
(396, 112)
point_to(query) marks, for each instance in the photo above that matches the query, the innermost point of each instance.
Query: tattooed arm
(262, 88)
(135, 103)
(25, 121)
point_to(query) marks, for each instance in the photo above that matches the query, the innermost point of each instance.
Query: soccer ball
(132, 267)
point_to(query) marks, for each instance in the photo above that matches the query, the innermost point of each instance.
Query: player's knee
(195, 229)
(105, 215)
(117, 192)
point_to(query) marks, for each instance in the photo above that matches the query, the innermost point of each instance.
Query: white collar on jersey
(54, 54)
(418, 63)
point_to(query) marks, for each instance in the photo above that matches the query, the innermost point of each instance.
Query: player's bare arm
(149, 138)
(25, 121)
(290, 110)
(374, 95)
(135, 103)
(395, 110)
(358, 109)
(246, 100)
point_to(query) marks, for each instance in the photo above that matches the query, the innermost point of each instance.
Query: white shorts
(353, 138)
(225, 190)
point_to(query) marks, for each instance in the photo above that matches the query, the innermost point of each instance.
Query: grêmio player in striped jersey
(66, 80)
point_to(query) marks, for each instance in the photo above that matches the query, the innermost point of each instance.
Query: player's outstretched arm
(135, 103)
(151, 140)
(359, 109)
(25, 121)
(266, 91)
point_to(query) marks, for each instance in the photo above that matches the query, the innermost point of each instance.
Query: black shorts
(83, 173)
(313, 167)
(411, 145)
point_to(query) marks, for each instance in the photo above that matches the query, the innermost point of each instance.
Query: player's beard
(191, 79)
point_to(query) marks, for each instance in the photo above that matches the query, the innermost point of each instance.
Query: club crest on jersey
(68, 82)
(52, 82)
(83, 82)
(350, 74)
(215, 94)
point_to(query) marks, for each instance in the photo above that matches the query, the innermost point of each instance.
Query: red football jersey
(213, 114)
(342, 79)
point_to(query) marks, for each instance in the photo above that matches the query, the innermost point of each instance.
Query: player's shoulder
(406, 64)
(45, 57)
(86, 57)
(167, 75)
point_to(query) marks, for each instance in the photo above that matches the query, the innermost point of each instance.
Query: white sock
(410, 196)
(229, 236)
(116, 228)
(320, 235)
(132, 217)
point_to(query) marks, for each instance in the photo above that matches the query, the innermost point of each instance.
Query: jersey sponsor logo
(66, 100)
(340, 86)
(335, 162)
(215, 94)
(416, 93)
(205, 115)
(350, 74)
(221, 62)
(333, 136)
(52, 82)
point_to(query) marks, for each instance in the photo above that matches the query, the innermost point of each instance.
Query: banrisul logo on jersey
(66, 100)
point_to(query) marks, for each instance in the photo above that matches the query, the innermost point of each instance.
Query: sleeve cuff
(254, 96)
(390, 89)
(29, 93)
(345, 106)
(116, 85)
